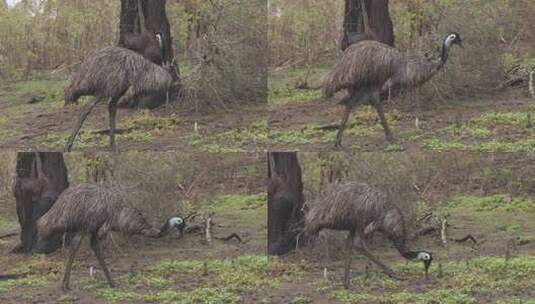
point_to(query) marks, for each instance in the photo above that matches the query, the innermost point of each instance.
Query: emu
(363, 210)
(370, 69)
(148, 44)
(95, 210)
(118, 75)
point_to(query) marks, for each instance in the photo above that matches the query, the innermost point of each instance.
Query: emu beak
(461, 44)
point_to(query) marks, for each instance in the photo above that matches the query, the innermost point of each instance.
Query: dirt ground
(303, 120)
(45, 125)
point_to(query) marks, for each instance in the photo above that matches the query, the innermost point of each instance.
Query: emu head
(453, 38)
(175, 222)
(424, 256)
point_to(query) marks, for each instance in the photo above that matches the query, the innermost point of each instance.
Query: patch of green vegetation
(20, 92)
(467, 131)
(440, 146)
(494, 203)
(200, 295)
(146, 121)
(283, 85)
(240, 201)
(520, 146)
(363, 123)
(6, 224)
(237, 275)
(6, 134)
(495, 119)
(140, 127)
(85, 139)
(462, 282)
(301, 300)
(307, 135)
(233, 140)
(33, 280)
(67, 298)
(38, 271)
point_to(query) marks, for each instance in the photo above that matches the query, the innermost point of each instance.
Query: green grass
(488, 133)
(223, 281)
(141, 127)
(38, 271)
(363, 123)
(282, 85)
(494, 203)
(239, 201)
(235, 140)
(462, 282)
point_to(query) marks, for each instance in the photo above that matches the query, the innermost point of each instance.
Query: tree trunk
(156, 22)
(380, 22)
(36, 188)
(285, 201)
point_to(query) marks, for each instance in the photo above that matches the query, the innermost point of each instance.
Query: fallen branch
(466, 238)
(230, 237)
(422, 232)
(11, 276)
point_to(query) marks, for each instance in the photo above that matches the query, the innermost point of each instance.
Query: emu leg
(387, 270)
(73, 248)
(347, 267)
(345, 118)
(379, 107)
(112, 109)
(96, 248)
(79, 122)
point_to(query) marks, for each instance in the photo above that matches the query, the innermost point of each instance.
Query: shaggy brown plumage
(369, 69)
(356, 206)
(116, 74)
(362, 210)
(93, 210)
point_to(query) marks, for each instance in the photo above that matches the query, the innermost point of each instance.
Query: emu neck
(156, 233)
(444, 55)
(399, 243)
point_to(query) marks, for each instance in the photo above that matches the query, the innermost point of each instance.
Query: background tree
(39, 180)
(379, 18)
(285, 201)
(156, 22)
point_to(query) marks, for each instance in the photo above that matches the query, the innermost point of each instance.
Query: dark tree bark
(380, 22)
(285, 201)
(40, 178)
(156, 22)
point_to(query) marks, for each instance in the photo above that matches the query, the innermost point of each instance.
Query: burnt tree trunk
(285, 201)
(380, 22)
(35, 195)
(155, 19)
(156, 22)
